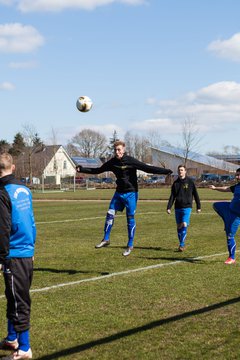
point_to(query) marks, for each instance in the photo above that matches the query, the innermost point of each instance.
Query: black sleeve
(150, 168)
(105, 167)
(172, 197)
(196, 197)
(5, 225)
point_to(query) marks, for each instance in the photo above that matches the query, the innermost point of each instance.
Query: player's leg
(11, 340)
(115, 205)
(230, 227)
(131, 204)
(109, 223)
(25, 273)
(18, 274)
(183, 220)
(231, 232)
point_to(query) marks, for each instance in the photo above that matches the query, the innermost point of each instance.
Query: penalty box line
(120, 273)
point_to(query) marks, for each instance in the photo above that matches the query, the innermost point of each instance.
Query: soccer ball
(84, 103)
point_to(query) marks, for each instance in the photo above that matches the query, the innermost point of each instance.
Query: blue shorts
(231, 220)
(120, 201)
(183, 215)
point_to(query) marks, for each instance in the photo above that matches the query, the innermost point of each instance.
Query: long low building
(196, 164)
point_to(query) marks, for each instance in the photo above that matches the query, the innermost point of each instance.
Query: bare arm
(220, 188)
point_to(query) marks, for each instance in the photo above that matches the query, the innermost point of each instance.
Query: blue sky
(148, 65)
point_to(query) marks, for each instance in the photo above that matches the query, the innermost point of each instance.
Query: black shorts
(18, 273)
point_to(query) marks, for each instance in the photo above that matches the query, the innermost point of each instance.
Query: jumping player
(182, 193)
(230, 213)
(125, 169)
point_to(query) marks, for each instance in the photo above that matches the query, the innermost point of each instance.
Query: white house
(49, 163)
(58, 163)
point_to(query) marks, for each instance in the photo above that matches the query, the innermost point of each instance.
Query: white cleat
(19, 355)
(127, 251)
(103, 243)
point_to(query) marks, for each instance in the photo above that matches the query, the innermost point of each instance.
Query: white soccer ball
(84, 103)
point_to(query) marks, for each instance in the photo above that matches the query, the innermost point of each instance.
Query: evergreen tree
(36, 141)
(18, 145)
(4, 146)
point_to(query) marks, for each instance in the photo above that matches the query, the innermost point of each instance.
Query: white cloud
(59, 5)
(212, 108)
(7, 86)
(229, 49)
(18, 38)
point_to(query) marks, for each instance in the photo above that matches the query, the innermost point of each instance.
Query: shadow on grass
(133, 331)
(69, 272)
(182, 259)
(156, 248)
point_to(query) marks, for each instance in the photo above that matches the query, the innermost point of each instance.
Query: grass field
(155, 304)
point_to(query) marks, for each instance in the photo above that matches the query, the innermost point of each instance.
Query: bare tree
(72, 150)
(232, 150)
(155, 139)
(33, 144)
(190, 137)
(90, 143)
(137, 146)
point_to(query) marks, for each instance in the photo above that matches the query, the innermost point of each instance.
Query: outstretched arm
(220, 188)
(98, 170)
(150, 168)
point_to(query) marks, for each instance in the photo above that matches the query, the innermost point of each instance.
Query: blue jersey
(235, 203)
(17, 225)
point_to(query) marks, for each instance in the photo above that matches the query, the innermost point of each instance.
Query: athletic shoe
(230, 261)
(6, 344)
(19, 355)
(181, 248)
(127, 251)
(103, 243)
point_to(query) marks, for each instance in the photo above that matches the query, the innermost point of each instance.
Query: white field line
(103, 217)
(126, 272)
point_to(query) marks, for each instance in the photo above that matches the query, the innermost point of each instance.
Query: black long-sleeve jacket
(125, 170)
(182, 193)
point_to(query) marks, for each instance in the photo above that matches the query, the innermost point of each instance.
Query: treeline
(87, 143)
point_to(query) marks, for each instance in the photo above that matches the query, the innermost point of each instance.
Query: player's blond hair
(6, 162)
(119, 142)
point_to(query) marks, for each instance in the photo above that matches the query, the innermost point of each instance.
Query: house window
(65, 165)
(55, 165)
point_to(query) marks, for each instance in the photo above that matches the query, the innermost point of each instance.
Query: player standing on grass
(125, 169)
(17, 240)
(182, 193)
(230, 213)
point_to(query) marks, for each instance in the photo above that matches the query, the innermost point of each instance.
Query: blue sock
(12, 334)
(108, 224)
(24, 341)
(182, 233)
(131, 223)
(231, 244)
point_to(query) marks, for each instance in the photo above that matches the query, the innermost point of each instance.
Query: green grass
(161, 193)
(186, 309)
